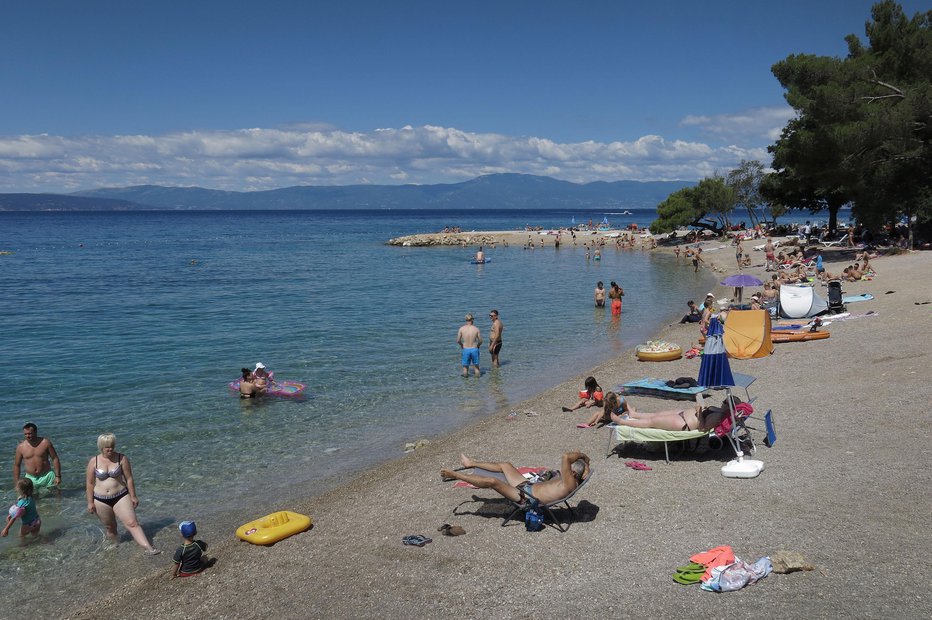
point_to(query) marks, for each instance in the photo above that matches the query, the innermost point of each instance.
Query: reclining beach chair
(831, 244)
(737, 432)
(623, 434)
(545, 508)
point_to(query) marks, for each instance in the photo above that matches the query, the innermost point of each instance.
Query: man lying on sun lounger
(573, 469)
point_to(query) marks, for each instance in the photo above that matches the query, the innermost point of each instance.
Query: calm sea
(134, 323)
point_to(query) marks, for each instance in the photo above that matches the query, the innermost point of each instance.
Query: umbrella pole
(739, 467)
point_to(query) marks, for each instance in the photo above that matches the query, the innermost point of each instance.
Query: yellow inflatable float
(274, 527)
(658, 351)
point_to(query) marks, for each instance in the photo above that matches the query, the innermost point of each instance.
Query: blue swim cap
(187, 528)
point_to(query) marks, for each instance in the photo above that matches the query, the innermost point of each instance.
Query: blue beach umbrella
(715, 372)
(714, 369)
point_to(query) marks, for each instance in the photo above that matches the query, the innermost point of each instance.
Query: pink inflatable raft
(284, 389)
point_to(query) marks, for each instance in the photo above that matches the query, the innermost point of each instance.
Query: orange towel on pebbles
(719, 556)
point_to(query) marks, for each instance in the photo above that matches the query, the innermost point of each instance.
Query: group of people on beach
(111, 496)
(611, 408)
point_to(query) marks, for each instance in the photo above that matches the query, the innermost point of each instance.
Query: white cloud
(752, 125)
(259, 158)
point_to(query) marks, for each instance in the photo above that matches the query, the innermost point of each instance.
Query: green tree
(676, 211)
(715, 199)
(863, 130)
(745, 182)
(711, 199)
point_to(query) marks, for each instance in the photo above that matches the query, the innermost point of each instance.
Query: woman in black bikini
(111, 492)
(694, 418)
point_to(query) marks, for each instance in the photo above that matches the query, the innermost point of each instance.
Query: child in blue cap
(189, 558)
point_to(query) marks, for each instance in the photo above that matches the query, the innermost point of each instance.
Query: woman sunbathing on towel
(688, 419)
(613, 404)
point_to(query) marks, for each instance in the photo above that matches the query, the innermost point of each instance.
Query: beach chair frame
(546, 508)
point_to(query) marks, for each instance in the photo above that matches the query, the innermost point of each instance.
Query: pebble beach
(847, 485)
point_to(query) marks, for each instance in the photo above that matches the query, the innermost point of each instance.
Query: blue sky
(256, 95)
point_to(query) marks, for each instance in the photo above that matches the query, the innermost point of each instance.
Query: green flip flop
(687, 579)
(692, 567)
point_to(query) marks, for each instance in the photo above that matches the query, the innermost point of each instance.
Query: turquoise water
(108, 326)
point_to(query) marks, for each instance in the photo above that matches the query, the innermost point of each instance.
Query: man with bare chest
(495, 337)
(470, 340)
(39, 457)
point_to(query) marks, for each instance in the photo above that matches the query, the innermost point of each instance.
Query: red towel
(719, 556)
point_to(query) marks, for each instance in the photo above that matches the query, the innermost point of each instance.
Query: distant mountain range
(494, 191)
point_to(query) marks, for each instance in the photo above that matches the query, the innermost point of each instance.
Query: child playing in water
(25, 509)
(189, 558)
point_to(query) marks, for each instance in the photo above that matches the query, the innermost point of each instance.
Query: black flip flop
(416, 540)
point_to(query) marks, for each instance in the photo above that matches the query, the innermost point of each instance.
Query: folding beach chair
(525, 504)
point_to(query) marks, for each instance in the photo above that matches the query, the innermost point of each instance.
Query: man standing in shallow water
(469, 339)
(36, 452)
(495, 337)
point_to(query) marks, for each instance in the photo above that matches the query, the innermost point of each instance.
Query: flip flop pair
(416, 540)
(687, 579)
(689, 574)
(638, 465)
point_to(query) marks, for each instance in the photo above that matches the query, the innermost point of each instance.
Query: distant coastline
(501, 191)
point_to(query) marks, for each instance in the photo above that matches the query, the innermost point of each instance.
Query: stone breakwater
(459, 239)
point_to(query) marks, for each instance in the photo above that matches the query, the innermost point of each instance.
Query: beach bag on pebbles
(533, 520)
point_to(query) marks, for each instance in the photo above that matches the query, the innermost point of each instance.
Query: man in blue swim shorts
(38, 456)
(469, 339)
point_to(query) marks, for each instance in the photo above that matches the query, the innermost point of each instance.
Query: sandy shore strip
(848, 485)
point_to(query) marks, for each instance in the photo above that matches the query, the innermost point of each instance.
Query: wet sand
(848, 484)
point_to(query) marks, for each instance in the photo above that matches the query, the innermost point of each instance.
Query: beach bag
(533, 520)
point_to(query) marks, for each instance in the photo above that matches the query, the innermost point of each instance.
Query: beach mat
(658, 388)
